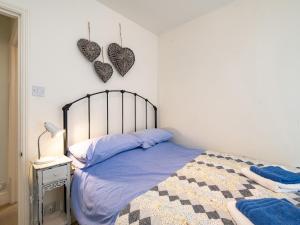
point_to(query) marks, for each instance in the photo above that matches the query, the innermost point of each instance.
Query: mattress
(100, 192)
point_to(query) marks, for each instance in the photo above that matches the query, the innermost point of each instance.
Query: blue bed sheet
(100, 192)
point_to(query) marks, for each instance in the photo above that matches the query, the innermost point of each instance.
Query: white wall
(56, 63)
(5, 29)
(229, 80)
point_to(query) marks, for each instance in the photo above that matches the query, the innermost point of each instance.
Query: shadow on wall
(182, 139)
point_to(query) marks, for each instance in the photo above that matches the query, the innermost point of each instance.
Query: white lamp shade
(52, 129)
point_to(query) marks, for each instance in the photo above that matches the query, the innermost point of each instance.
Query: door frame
(23, 166)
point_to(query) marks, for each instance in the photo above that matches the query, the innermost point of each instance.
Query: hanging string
(120, 29)
(102, 54)
(89, 28)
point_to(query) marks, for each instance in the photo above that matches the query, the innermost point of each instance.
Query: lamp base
(44, 160)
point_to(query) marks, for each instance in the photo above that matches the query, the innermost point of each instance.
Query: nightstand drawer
(54, 174)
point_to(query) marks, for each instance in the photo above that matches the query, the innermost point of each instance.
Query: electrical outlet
(38, 91)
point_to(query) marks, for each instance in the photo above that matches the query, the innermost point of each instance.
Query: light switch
(38, 91)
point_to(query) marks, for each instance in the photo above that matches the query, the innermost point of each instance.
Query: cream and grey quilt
(198, 194)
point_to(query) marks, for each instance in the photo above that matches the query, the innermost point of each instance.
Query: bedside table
(47, 177)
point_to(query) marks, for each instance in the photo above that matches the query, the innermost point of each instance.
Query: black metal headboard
(88, 97)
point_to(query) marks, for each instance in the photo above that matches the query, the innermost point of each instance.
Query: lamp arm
(39, 152)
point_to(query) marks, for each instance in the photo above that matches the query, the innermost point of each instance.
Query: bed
(166, 184)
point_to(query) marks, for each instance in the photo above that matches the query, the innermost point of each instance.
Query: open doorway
(8, 120)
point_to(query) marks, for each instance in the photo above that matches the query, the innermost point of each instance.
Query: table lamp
(54, 131)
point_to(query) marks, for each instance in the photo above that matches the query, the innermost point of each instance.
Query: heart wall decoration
(122, 58)
(91, 50)
(104, 70)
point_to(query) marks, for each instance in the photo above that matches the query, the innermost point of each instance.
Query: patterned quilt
(198, 194)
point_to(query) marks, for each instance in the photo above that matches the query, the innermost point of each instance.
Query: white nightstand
(48, 177)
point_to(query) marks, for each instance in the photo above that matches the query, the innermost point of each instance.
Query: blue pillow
(151, 137)
(110, 145)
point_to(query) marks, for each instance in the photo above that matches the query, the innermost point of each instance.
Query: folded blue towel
(268, 211)
(277, 174)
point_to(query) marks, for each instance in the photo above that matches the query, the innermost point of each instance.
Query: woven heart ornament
(104, 70)
(91, 50)
(122, 58)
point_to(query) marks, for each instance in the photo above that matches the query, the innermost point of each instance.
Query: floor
(9, 214)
